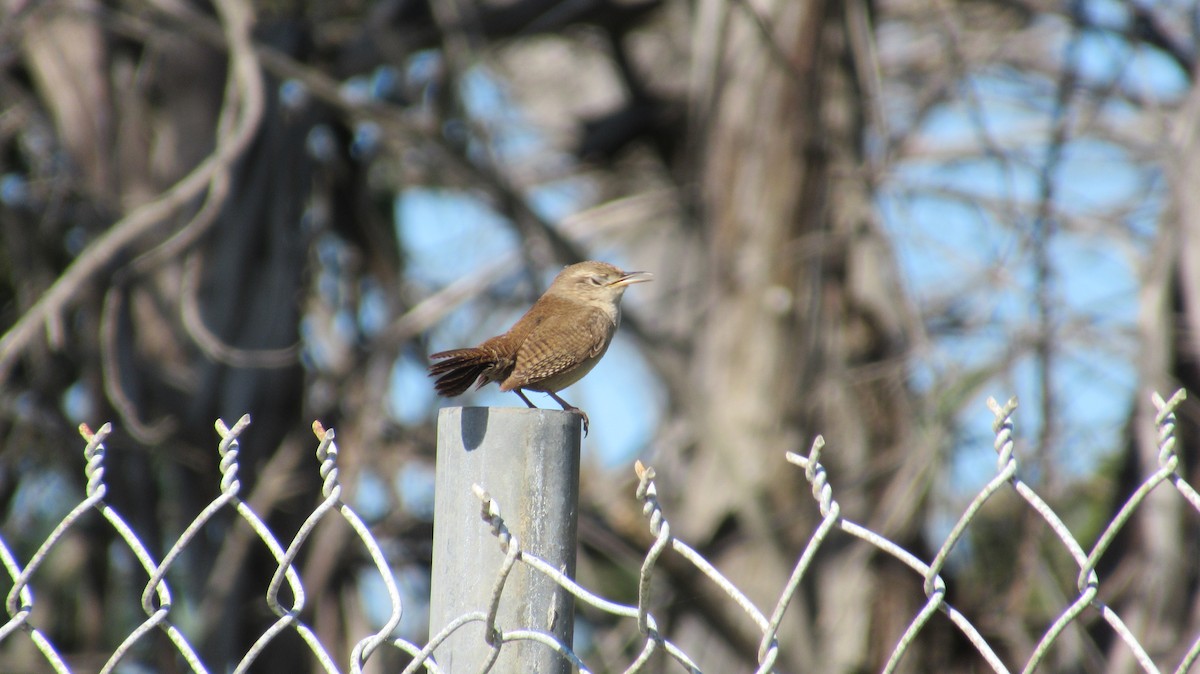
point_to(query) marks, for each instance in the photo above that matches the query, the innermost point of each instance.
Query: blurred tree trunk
(804, 333)
(1150, 575)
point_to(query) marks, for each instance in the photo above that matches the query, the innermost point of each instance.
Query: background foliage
(864, 217)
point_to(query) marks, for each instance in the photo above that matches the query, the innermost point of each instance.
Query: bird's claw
(568, 407)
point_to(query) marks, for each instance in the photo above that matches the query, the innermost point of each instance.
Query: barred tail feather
(458, 369)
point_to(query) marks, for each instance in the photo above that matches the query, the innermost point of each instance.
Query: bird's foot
(522, 394)
(568, 407)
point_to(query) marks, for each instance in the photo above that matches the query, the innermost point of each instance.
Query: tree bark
(804, 332)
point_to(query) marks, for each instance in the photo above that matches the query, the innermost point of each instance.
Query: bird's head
(595, 282)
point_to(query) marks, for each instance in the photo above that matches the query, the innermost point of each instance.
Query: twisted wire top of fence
(156, 599)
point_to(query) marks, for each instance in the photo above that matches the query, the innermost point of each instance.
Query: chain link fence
(156, 600)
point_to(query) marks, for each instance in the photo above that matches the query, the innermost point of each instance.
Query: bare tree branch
(246, 93)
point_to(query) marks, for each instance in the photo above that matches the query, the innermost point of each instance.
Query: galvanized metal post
(528, 460)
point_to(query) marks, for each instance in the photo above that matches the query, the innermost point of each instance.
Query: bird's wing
(560, 342)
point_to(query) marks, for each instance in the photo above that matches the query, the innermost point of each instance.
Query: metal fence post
(528, 460)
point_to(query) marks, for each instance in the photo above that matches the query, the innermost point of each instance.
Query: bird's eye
(595, 280)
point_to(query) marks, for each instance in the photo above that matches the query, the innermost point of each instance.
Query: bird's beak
(631, 277)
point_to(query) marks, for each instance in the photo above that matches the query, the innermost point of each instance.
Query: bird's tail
(456, 370)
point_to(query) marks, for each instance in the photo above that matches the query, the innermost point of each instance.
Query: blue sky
(961, 233)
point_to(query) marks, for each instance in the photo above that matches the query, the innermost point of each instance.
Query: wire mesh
(156, 600)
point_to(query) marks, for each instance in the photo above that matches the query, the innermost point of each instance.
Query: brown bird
(559, 340)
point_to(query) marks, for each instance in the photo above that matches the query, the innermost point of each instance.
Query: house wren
(559, 340)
